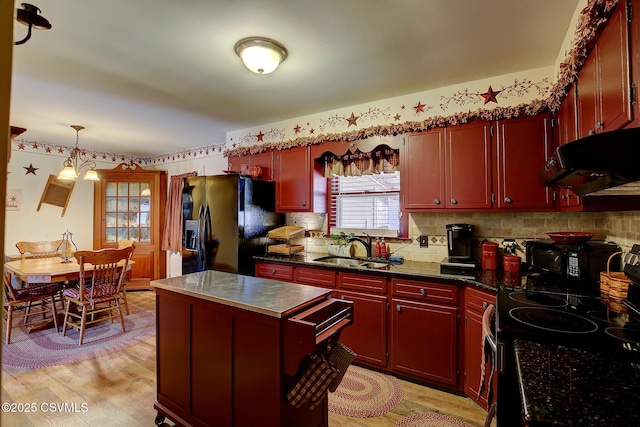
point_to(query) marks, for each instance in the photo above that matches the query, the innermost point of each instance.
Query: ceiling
(149, 77)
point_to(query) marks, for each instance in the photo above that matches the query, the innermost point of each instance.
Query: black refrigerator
(226, 219)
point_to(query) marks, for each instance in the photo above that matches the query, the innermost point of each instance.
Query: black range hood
(594, 163)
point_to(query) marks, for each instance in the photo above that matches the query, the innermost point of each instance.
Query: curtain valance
(382, 159)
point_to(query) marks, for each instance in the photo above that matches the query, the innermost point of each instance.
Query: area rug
(430, 419)
(364, 394)
(50, 348)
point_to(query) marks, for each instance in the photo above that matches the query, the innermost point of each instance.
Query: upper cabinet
(567, 132)
(523, 145)
(634, 59)
(264, 160)
(129, 204)
(604, 82)
(422, 174)
(466, 168)
(300, 184)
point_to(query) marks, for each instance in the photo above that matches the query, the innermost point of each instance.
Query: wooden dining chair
(31, 301)
(124, 243)
(42, 249)
(97, 296)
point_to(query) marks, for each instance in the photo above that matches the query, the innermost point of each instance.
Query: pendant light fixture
(76, 161)
(30, 16)
(261, 55)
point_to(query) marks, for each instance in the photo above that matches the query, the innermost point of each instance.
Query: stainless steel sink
(353, 262)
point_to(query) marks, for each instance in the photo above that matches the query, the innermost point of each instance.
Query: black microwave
(582, 261)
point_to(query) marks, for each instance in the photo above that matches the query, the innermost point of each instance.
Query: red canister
(511, 263)
(489, 256)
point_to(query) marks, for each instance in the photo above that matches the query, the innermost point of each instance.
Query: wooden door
(293, 180)
(587, 98)
(523, 146)
(367, 337)
(612, 50)
(265, 161)
(424, 340)
(568, 132)
(468, 166)
(422, 171)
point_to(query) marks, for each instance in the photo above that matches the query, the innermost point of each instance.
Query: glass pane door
(128, 211)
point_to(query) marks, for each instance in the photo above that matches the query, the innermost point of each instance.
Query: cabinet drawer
(363, 282)
(447, 294)
(478, 300)
(315, 277)
(275, 271)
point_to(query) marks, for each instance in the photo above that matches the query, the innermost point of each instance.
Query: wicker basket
(615, 284)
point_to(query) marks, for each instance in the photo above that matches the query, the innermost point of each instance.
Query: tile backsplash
(620, 227)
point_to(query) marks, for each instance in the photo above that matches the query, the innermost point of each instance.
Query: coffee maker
(460, 258)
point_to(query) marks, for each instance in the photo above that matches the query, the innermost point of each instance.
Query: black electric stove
(548, 310)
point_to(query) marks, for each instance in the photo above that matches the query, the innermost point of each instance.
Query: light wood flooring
(119, 390)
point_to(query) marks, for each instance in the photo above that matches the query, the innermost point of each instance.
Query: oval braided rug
(49, 348)
(365, 394)
(430, 419)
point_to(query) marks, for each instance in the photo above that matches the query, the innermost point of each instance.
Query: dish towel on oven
(340, 357)
(313, 384)
(488, 320)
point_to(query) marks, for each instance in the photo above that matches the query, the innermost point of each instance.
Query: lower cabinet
(476, 301)
(367, 337)
(424, 340)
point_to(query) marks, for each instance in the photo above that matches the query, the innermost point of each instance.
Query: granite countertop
(488, 279)
(265, 296)
(563, 386)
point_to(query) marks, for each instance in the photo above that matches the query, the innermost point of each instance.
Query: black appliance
(631, 262)
(551, 309)
(226, 218)
(460, 252)
(582, 262)
(595, 162)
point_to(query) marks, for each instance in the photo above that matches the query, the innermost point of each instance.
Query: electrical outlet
(424, 241)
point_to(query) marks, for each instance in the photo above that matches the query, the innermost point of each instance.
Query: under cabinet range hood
(596, 162)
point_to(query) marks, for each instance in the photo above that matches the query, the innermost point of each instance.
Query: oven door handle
(498, 352)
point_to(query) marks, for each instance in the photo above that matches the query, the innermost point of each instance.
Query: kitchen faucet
(365, 243)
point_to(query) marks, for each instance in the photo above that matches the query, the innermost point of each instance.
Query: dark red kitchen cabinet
(274, 270)
(523, 146)
(424, 340)
(634, 60)
(300, 182)
(264, 160)
(468, 166)
(567, 132)
(313, 276)
(422, 171)
(476, 301)
(603, 87)
(367, 337)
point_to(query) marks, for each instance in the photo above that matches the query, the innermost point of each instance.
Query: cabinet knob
(423, 292)
(484, 304)
(454, 201)
(591, 132)
(398, 309)
(436, 201)
(599, 125)
(273, 271)
(508, 200)
(304, 203)
(563, 197)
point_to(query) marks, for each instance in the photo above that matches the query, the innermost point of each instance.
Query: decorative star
(260, 136)
(35, 145)
(30, 169)
(352, 120)
(396, 117)
(21, 146)
(490, 95)
(312, 130)
(297, 128)
(47, 150)
(402, 107)
(419, 107)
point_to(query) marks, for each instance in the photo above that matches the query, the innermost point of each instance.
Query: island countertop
(269, 297)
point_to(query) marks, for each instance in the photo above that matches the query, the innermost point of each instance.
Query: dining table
(47, 270)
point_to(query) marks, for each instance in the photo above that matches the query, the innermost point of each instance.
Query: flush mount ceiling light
(77, 161)
(261, 55)
(29, 16)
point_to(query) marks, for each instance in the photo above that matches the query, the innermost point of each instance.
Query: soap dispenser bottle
(377, 250)
(383, 249)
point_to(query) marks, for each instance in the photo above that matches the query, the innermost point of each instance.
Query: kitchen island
(230, 347)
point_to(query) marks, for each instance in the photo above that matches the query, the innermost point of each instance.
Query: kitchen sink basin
(353, 262)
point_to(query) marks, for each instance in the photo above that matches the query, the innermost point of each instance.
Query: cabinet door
(293, 180)
(476, 302)
(367, 336)
(424, 340)
(587, 102)
(567, 118)
(265, 161)
(523, 146)
(634, 59)
(612, 50)
(468, 166)
(422, 174)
